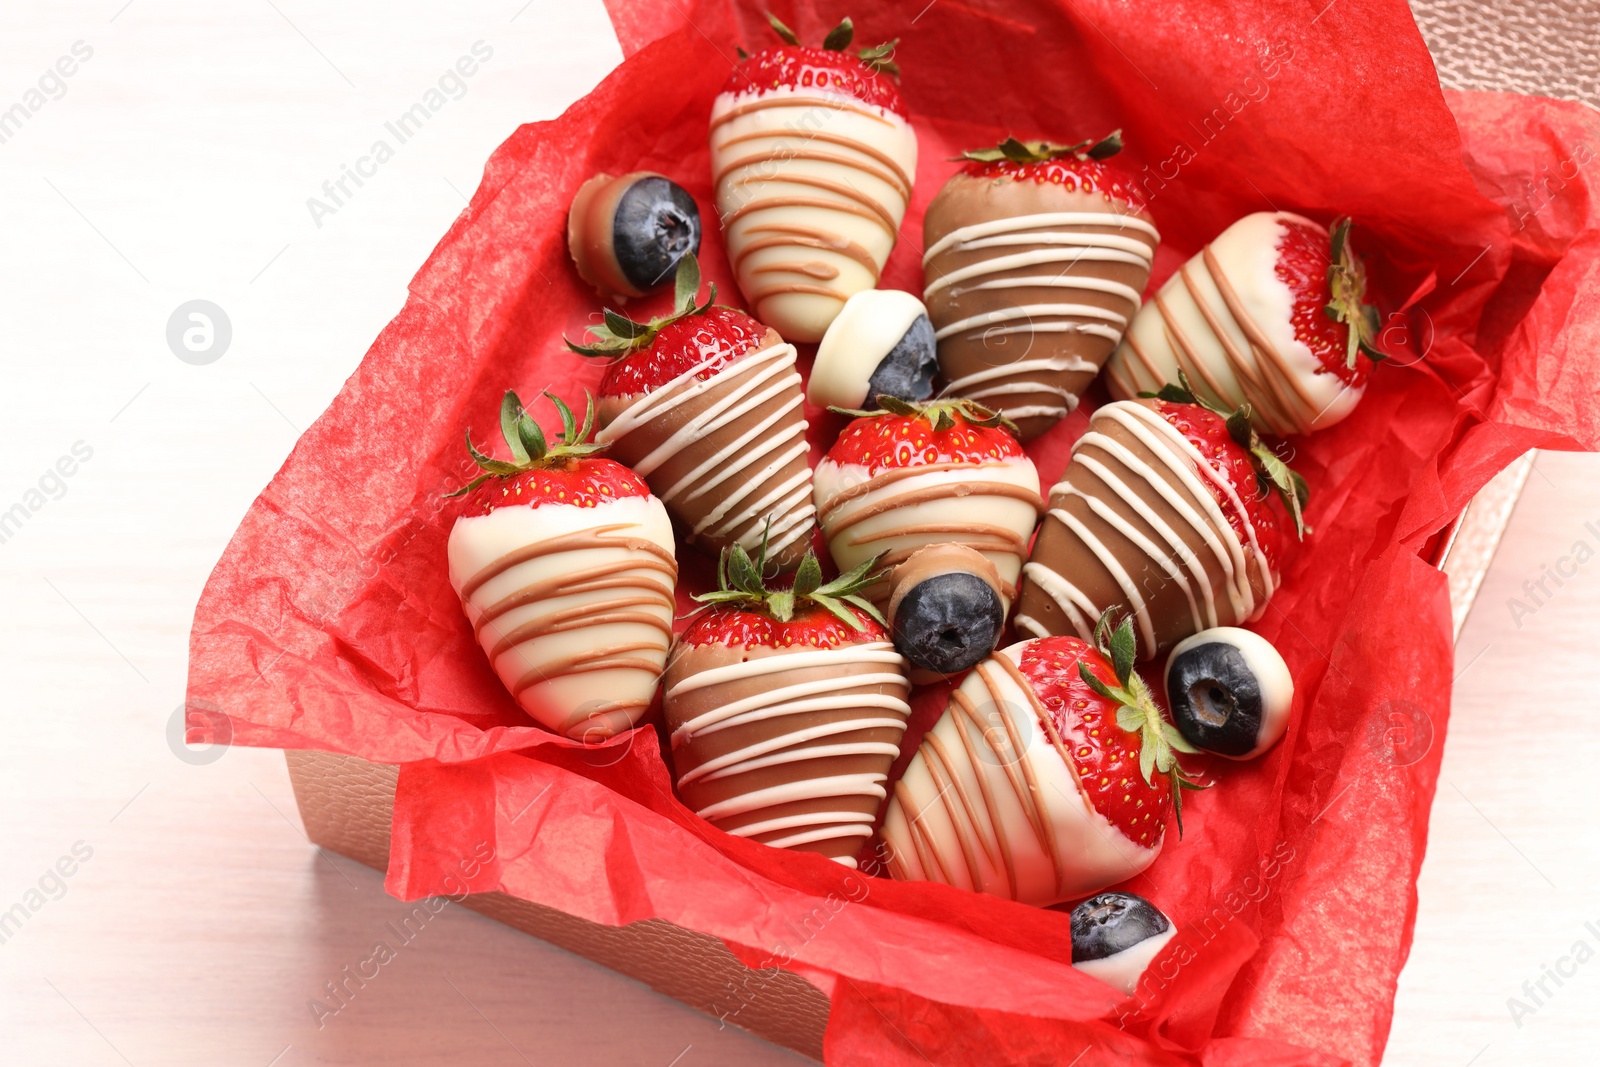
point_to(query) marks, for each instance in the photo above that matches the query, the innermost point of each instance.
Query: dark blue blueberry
(949, 622)
(656, 224)
(1109, 923)
(907, 371)
(1215, 697)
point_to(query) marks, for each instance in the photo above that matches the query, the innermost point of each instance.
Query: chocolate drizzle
(725, 453)
(618, 584)
(992, 801)
(1030, 286)
(1137, 520)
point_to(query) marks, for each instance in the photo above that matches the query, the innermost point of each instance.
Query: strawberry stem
(939, 414)
(1042, 151)
(618, 335)
(741, 581)
(1347, 288)
(1278, 475)
(1137, 713)
(530, 450)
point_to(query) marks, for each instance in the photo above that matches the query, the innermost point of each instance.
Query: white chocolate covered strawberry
(1270, 314)
(565, 568)
(904, 477)
(1050, 775)
(812, 159)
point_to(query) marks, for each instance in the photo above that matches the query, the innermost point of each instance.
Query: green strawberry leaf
(839, 37)
(785, 33)
(510, 415)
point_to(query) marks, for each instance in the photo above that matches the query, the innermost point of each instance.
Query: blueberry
(907, 371)
(1116, 935)
(880, 342)
(948, 622)
(656, 224)
(1229, 691)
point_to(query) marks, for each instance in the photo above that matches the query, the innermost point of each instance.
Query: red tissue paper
(329, 623)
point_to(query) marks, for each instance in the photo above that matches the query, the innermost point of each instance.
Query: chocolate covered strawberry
(1169, 509)
(812, 159)
(903, 477)
(1050, 775)
(565, 568)
(786, 707)
(1271, 314)
(1037, 255)
(705, 404)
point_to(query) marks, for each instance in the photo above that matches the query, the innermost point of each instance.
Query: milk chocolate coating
(719, 499)
(1168, 561)
(1053, 310)
(818, 731)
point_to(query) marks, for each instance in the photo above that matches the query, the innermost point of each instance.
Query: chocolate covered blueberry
(1116, 935)
(946, 608)
(627, 234)
(881, 344)
(1229, 691)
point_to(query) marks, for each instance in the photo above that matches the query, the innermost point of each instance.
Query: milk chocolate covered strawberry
(1036, 258)
(1166, 509)
(1050, 775)
(564, 565)
(705, 405)
(1272, 314)
(786, 707)
(904, 477)
(812, 159)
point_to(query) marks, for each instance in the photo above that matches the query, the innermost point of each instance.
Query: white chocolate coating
(793, 697)
(1225, 320)
(990, 507)
(991, 802)
(1122, 970)
(1264, 661)
(872, 322)
(573, 605)
(756, 383)
(811, 186)
(1188, 488)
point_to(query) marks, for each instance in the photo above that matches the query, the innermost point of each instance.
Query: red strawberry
(1165, 510)
(786, 708)
(1075, 767)
(812, 160)
(1036, 258)
(565, 568)
(904, 477)
(1294, 293)
(705, 404)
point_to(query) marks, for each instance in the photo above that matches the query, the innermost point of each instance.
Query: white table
(176, 166)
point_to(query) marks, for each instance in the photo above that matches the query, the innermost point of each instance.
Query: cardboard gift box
(346, 804)
(328, 629)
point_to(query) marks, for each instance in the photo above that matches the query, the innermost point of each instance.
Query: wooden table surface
(171, 911)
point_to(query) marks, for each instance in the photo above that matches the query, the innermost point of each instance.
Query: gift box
(329, 628)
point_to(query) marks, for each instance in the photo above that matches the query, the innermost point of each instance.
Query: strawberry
(705, 404)
(1271, 314)
(903, 477)
(812, 160)
(565, 567)
(1165, 509)
(786, 707)
(1037, 254)
(1076, 773)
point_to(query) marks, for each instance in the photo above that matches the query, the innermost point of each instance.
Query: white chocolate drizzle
(869, 679)
(1188, 483)
(754, 382)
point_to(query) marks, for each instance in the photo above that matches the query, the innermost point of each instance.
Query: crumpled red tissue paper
(329, 622)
